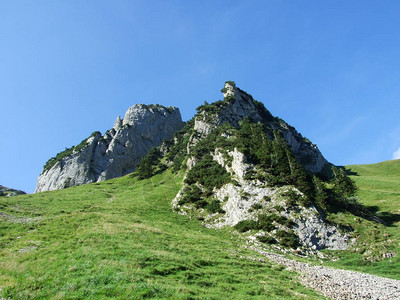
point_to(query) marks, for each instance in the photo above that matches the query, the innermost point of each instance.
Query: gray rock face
(117, 152)
(242, 105)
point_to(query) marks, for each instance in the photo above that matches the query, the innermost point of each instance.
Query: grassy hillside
(379, 185)
(378, 246)
(120, 239)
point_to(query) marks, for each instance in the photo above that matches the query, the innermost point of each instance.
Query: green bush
(255, 206)
(148, 165)
(246, 225)
(191, 194)
(214, 207)
(267, 198)
(265, 222)
(266, 239)
(208, 173)
(282, 220)
(287, 238)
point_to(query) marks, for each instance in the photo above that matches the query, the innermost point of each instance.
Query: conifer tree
(344, 187)
(321, 194)
(298, 176)
(147, 165)
(279, 159)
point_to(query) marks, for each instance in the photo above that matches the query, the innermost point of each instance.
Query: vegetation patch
(208, 173)
(287, 238)
(266, 239)
(246, 225)
(214, 207)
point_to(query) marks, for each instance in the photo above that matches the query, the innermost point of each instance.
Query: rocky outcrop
(115, 154)
(8, 192)
(247, 199)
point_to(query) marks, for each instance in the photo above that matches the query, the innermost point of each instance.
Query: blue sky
(68, 68)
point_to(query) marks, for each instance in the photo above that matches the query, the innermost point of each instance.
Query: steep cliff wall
(116, 153)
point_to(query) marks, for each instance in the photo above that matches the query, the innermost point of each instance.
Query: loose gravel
(337, 283)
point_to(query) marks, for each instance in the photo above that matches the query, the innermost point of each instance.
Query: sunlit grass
(120, 239)
(379, 189)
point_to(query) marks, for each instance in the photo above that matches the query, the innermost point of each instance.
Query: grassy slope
(379, 184)
(120, 239)
(379, 189)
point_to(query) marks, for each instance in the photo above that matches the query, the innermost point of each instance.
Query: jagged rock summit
(238, 105)
(115, 154)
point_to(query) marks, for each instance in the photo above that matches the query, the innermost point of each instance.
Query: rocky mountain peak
(248, 169)
(238, 106)
(230, 89)
(236, 97)
(115, 154)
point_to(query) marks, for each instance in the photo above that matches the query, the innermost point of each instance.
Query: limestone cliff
(116, 153)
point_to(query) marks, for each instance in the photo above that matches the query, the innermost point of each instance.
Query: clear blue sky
(68, 68)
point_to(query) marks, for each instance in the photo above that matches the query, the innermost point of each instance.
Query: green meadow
(377, 250)
(120, 239)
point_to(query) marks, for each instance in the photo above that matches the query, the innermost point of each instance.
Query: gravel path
(337, 283)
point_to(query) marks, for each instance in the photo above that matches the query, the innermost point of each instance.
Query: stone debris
(338, 283)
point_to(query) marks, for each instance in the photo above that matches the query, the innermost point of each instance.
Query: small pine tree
(344, 188)
(298, 176)
(147, 165)
(279, 158)
(321, 194)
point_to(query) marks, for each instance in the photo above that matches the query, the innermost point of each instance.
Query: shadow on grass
(388, 217)
(350, 172)
(371, 213)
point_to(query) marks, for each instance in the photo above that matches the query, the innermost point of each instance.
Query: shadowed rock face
(117, 152)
